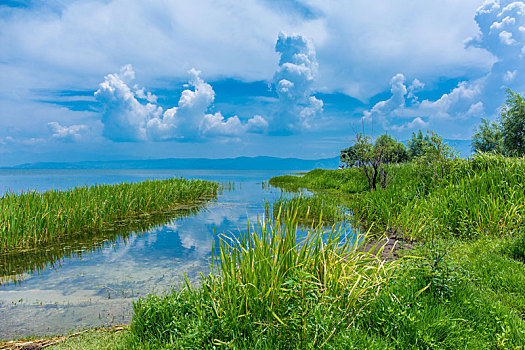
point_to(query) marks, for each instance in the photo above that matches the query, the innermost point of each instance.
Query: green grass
(454, 295)
(461, 289)
(495, 269)
(273, 287)
(281, 286)
(442, 304)
(449, 295)
(310, 210)
(483, 196)
(465, 288)
(343, 180)
(95, 339)
(33, 219)
(16, 264)
(516, 249)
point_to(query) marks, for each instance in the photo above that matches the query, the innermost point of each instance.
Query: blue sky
(115, 79)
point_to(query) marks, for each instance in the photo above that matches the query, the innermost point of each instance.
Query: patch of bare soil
(392, 246)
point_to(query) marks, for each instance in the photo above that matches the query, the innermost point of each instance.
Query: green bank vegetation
(17, 264)
(464, 286)
(34, 219)
(275, 286)
(309, 210)
(482, 196)
(278, 286)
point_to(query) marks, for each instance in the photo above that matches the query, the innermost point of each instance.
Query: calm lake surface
(92, 281)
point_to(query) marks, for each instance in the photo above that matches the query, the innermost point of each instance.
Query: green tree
(394, 152)
(349, 157)
(373, 158)
(417, 144)
(508, 136)
(513, 124)
(488, 138)
(436, 161)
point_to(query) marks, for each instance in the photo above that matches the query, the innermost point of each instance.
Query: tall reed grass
(31, 219)
(273, 286)
(482, 196)
(15, 264)
(315, 209)
(344, 180)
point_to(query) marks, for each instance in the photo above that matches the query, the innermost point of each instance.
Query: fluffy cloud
(88, 38)
(359, 45)
(124, 116)
(68, 133)
(404, 111)
(417, 123)
(133, 115)
(501, 33)
(293, 82)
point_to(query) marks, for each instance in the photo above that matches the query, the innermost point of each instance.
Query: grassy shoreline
(465, 288)
(482, 196)
(32, 219)
(272, 288)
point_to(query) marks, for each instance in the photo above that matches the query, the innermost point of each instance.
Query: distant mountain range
(240, 163)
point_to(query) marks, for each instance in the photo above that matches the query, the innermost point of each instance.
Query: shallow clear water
(92, 281)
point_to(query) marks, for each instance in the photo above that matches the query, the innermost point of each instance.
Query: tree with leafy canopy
(436, 160)
(488, 138)
(372, 158)
(513, 124)
(417, 144)
(508, 136)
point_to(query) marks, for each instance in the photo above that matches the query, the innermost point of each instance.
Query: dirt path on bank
(392, 246)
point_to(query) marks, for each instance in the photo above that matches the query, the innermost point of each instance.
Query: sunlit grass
(313, 209)
(31, 219)
(275, 285)
(452, 297)
(483, 196)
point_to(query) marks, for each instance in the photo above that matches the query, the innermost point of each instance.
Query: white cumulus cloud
(70, 133)
(500, 24)
(131, 114)
(293, 83)
(393, 113)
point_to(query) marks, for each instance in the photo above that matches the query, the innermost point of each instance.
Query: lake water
(93, 280)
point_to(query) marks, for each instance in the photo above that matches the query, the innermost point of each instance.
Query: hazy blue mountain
(240, 163)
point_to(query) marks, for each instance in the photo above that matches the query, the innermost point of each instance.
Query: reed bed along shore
(32, 219)
(275, 285)
(315, 209)
(16, 265)
(481, 196)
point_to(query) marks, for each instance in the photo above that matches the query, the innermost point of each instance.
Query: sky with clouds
(130, 79)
